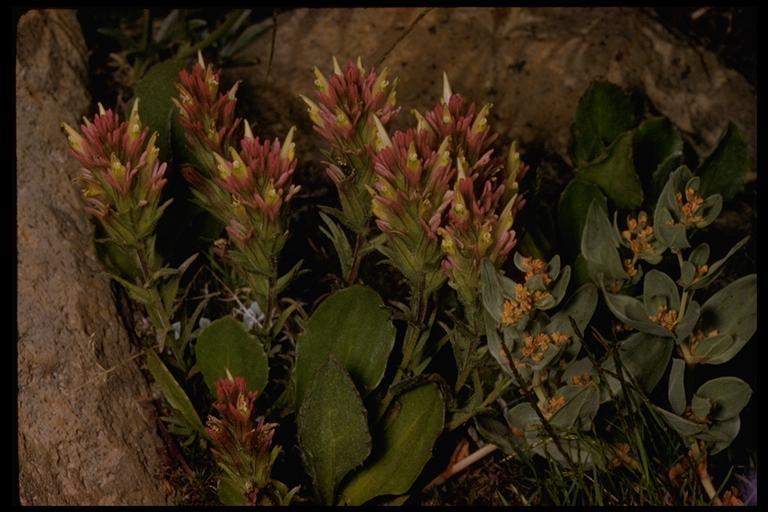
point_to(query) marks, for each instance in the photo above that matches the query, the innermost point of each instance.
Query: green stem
(492, 396)
(683, 305)
(540, 394)
(466, 367)
(160, 317)
(700, 459)
(147, 30)
(412, 335)
(356, 259)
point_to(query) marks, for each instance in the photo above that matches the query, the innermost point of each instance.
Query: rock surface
(532, 63)
(83, 437)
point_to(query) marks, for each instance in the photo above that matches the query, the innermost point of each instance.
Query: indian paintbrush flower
(245, 183)
(343, 115)
(476, 230)
(122, 178)
(258, 180)
(207, 116)
(209, 122)
(242, 446)
(467, 128)
(410, 195)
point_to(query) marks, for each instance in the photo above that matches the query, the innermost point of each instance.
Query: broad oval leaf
(582, 403)
(721, 434)
(632, 313)
(599, 245)
(615, 174)
(724, 169)
(572, 213)
(729, 394)
(731, 311)
(659, 290)
(685, 428)
(645, 357)
(658, 150)
(226, 345)
(676, 391)
(603, 113)
(354, 325)
(332, 428)
(155, 90)
(401, 450)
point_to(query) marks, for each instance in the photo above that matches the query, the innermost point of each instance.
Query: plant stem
(461, 465)
(159, 319)
(683, 305)
(356, 258)
(492, 396)
(411, 338)
(540, 394)
(701, 470)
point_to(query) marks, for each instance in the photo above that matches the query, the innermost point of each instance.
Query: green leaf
(658, 150)
(572, 213)
(226, 345)
(496, 432)
(230, 492)
(615, 174)
(579, 308)
(724, 170)
(155, 91)
(644, 357)
(729, 394)
(138, 293)
(721, 434)
(332, 428)
(172, 391)
(604, 112)
(632, 313)
(490, 287)
(413, 424)
(717, 267)
(354, 325)
(599, 245)
(582, 403)
(336, 235)
(686, 429)
(659, 290)
(676, 391)
(733, 312)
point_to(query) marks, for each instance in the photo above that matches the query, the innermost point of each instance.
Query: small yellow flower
(665, 317)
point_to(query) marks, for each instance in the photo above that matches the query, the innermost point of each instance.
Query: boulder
(533, 64)
(84, 436)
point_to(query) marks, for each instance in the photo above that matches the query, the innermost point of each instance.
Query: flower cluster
(640, 239)
(208, 119)
(347, 103)
(122, 177)
(536, 346)
(259, 182)
(207, 116)
(410, 195)
(475, 230)
(665, 317)
(242, 446)
(245, 184)
(468, 129)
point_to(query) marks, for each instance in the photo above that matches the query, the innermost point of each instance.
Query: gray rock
(83, 436)
(532, 63)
